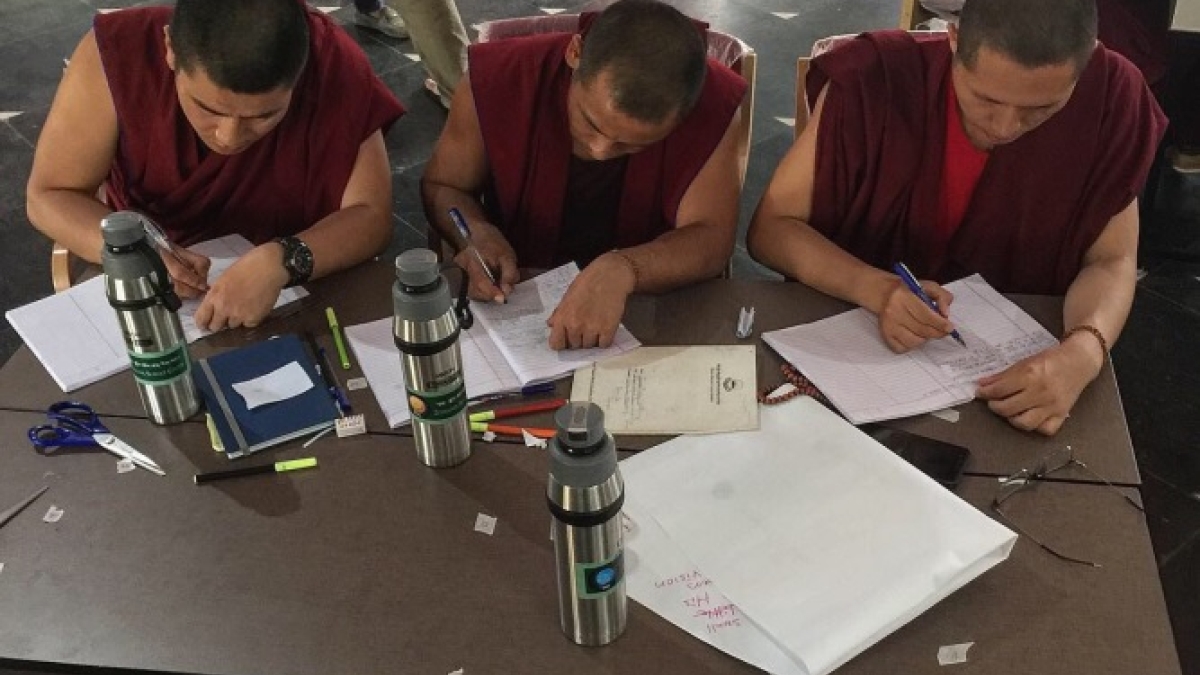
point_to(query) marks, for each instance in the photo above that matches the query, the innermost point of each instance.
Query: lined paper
(75, 333)
(849, 362)
(521, 333)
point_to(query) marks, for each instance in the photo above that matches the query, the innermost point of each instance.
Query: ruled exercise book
(847, 359)
(506, 349)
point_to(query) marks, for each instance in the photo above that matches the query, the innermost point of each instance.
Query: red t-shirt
(962, 166)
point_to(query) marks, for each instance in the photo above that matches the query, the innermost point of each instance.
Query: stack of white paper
(797, 546)
(75, 333)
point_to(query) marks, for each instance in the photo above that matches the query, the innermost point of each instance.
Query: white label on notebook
(275, 386)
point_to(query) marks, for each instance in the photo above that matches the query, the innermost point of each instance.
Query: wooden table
(370, 562)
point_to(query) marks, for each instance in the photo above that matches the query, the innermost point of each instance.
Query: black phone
(939, 460)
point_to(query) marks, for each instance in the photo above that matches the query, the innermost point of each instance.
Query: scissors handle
(47, 436)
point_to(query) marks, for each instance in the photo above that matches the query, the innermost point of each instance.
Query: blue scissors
(74, 424)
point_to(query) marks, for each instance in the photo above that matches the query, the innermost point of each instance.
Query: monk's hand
(190, 276)
(1037, 393)
(905, 322)
(500, 258)
(592, 308)
(246, 292)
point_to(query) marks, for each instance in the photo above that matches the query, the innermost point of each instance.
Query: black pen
(277, 467)
(325, 370)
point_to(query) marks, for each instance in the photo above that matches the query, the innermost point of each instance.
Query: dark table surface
(370, 563)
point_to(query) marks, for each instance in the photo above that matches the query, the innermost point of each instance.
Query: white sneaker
(385, 20)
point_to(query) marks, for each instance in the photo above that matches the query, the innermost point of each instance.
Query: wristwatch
(297, 260)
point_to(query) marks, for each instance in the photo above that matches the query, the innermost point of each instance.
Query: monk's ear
(574, 51)
(952, 36)
(170, 51)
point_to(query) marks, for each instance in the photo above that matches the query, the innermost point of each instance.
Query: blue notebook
(244, 431)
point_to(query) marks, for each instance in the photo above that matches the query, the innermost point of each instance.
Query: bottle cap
(580, 427)
(122, 228)
(417, 267)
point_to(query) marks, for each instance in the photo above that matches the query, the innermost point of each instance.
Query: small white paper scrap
(125, 465)
(949, 655)
(533, 441)
(1, 568)
(277, 385)
(949, 415)
(485, 524)
(54, 515)
(489, 436)
(356, 383)
(460, 671)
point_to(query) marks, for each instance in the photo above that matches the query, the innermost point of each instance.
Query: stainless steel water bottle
(585, 496)
(426, 331)
(141, 292)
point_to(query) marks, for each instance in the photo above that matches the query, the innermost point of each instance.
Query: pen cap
(420, 293)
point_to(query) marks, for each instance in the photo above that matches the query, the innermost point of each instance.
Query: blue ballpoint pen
(461, 224)
(909, 280)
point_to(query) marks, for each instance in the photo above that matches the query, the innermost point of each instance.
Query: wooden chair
(62, 265)
(722, 47)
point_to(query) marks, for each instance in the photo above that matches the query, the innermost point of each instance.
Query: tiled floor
(1159, 372)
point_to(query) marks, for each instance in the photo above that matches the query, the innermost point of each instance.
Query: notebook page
(74, 334)
(847, 359)
(82, 311)
(222, 253)
(486, 371)
(520, 331)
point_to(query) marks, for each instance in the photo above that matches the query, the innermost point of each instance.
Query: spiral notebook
(244, 429)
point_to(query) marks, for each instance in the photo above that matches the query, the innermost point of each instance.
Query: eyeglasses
(1025, 478)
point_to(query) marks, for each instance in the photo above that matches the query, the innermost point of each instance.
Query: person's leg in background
(440, 39)
(377, 16)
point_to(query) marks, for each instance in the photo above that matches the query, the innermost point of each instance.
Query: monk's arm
(362, 227)
(455, 177)
(701, 243)
(781, 238)
(1102, 292)
(73, 156)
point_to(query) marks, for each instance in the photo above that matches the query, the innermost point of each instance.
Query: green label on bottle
(439, 405)
(159, 368)
(595, 580)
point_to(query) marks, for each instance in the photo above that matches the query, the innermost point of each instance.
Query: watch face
(297, 259)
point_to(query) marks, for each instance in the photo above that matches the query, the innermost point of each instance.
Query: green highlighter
(337, 338)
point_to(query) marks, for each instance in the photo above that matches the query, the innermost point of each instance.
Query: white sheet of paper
(673, 390)
(822, 538)
(278, 385)
(846, 358)
(75, 333)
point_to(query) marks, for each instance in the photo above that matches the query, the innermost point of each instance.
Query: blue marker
(909, 280)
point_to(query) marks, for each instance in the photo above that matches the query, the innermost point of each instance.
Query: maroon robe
(280, 185)
(1038, 207)
(520, 88)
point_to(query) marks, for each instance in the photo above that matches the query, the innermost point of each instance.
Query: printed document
(847, 359)
(75, 333)
(503, 352)
(797, 546)
(673, 390)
